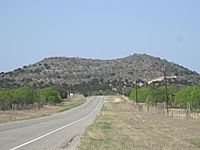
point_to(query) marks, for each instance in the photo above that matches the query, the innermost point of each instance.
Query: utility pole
(136, 82)
(166, 89)
(136, 90)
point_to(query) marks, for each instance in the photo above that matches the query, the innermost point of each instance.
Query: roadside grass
(121, 127)
(72, 103)
(9, 116)
(195, 142)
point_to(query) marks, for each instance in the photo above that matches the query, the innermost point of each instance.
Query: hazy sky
(33, 30)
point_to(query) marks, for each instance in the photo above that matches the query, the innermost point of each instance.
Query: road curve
(54, 132)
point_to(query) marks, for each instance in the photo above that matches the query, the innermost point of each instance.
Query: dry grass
(121, 127)
(8, 116)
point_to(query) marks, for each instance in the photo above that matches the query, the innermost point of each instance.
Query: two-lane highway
(51, 133)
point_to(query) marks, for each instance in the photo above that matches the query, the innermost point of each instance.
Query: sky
(105, 29)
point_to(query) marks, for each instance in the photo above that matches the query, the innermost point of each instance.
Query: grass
(121, 127)
(195, 142)
(9, 116)
(75, 102)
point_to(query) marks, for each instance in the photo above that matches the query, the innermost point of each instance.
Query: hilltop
(109, 74)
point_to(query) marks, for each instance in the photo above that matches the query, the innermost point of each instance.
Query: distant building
(71, 94)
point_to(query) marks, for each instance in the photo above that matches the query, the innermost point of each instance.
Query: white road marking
(57, 129)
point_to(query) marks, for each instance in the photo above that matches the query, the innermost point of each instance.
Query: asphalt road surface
(55, 132)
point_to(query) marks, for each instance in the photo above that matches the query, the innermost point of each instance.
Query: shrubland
(27, 97)
(177, 97)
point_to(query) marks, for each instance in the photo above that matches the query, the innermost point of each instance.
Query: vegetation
(188, 95)
(48, 95)
(25, 97)
(120, 72)
(177, 97)
(121, 126)
(34, 112)
(85, 94)
(93, 87)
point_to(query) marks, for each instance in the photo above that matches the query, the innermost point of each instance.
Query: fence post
(147, 107)
(188, 109)
(172, 109)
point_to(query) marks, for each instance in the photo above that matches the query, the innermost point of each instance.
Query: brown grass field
(9, 116)
(120, 126)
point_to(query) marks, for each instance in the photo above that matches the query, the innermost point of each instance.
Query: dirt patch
(122, 126)
(117, 100)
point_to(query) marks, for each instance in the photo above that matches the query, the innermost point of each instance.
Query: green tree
(24, 96)
(152, 94)
(54, 99)
(142, 94)
(195, 97)
(5, 99)
(49, 95)
(182, 97)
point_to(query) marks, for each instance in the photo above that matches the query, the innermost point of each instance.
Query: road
(54, 132)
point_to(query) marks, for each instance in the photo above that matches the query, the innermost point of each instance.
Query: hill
(117, 74)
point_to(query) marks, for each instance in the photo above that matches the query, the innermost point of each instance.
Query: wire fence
(180, 111)
(173, 110)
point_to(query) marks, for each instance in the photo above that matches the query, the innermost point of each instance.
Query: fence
(173, 110)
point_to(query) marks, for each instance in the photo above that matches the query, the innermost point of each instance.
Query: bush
(188, 95)
(5, 99)
(85, 94)
(179, 98)
(54, 99)
(49, 95)
(25, 97)
(142, 94)
(152, 94)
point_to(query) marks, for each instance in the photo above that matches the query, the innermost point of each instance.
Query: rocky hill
(122, 72)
